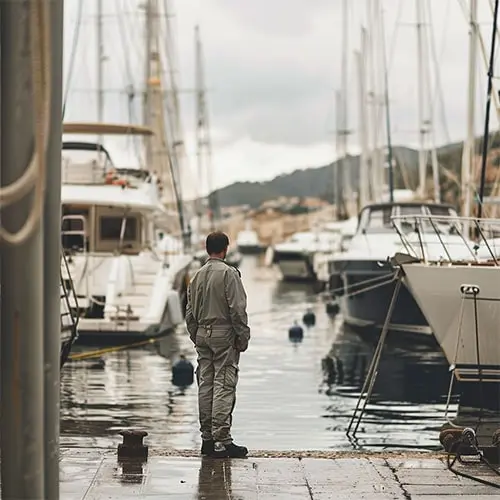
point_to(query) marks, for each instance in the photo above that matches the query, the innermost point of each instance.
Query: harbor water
(291, 396)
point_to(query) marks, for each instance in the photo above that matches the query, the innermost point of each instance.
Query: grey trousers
(217, 376)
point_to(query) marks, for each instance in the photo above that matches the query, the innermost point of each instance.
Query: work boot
(207, 447)
(229, 450)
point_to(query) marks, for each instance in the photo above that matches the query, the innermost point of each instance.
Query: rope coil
(36, 172)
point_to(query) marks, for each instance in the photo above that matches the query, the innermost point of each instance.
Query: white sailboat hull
(445, 294)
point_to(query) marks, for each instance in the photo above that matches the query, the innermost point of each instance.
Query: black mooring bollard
(332, 308)
(132, 446)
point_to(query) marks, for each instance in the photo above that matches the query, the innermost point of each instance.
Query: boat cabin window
(75, 228)
(378, 219)
(111, 228)
(118, 231)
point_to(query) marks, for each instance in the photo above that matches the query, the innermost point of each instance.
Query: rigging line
(129, 76)
(74, 47)
(172, 115)
(125, 47)
(394, 36)
(488, 107)
(438, 90)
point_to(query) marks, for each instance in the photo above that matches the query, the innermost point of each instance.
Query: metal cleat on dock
(132, 446)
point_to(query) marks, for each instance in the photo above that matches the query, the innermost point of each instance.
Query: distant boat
(247, 241)
(295, 257)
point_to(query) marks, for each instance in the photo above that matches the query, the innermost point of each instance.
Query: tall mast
(429, 118)
(337, 192)
(203, 144)
(343, 132)
(469, 144)
(376, 186)
(422, 156)
(363, 169)
(488, 109)
(100, 62)
(387, 111)
(148, 48)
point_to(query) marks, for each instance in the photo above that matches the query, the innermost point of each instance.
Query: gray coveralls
(217, 323)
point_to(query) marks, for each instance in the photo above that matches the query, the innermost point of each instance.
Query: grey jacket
(216, 298)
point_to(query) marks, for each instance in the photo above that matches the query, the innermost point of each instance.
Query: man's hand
(241, 343)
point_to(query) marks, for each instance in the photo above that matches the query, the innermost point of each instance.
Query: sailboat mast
(346, 173)
(422, 157)
(100, 62)
(146, 110)
(363, 168)
(387, 111)
(488, 109)
(337, 193)
(204, 149)
(469, 145)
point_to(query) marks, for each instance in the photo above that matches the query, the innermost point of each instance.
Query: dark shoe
(207, 447)
(230, 450)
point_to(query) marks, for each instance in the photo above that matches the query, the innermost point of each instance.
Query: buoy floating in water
(332, 308)
(183, 373)
(309, 318)
(296, 332)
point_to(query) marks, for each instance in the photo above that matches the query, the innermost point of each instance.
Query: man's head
(216, 244)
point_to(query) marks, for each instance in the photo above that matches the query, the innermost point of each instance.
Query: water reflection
(214, 479)
(409, 396)
(417, 374)
(290, 396)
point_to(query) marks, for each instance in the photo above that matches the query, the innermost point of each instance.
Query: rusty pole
(21, 271)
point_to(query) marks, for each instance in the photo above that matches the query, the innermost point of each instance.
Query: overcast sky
(271, 70)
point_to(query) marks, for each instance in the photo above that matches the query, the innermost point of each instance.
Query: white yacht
(362, 278)
(295, 257)
(247, 241)
(346, 230)
(460, 298)
(128, 283)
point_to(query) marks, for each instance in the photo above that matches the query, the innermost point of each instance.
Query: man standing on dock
(217, 323)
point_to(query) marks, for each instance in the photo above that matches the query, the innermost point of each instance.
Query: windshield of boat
(378, 219)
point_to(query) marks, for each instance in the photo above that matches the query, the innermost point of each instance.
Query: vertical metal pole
(52, 262)
(21, 269)
(146, 112)
(363, 178)
(387, 111)
(491, 68)
(345, 165)
(100, 62)
(337, 162)
(469, 145)
(198, 125)
(422, 155)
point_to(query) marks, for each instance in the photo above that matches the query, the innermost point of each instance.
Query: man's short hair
(216, 242)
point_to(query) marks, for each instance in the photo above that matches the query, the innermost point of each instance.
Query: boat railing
(90, 172)
(447, 236)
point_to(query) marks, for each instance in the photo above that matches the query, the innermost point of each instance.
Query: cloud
(271, 69)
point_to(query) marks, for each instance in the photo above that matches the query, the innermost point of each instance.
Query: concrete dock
(92, 475)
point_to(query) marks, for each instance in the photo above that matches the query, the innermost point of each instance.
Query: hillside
(311, 182)
(318, 182)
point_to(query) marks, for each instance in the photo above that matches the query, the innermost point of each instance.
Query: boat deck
(87, 475)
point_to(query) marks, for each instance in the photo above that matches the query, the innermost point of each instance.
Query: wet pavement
(283, 400)
(92, 476)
